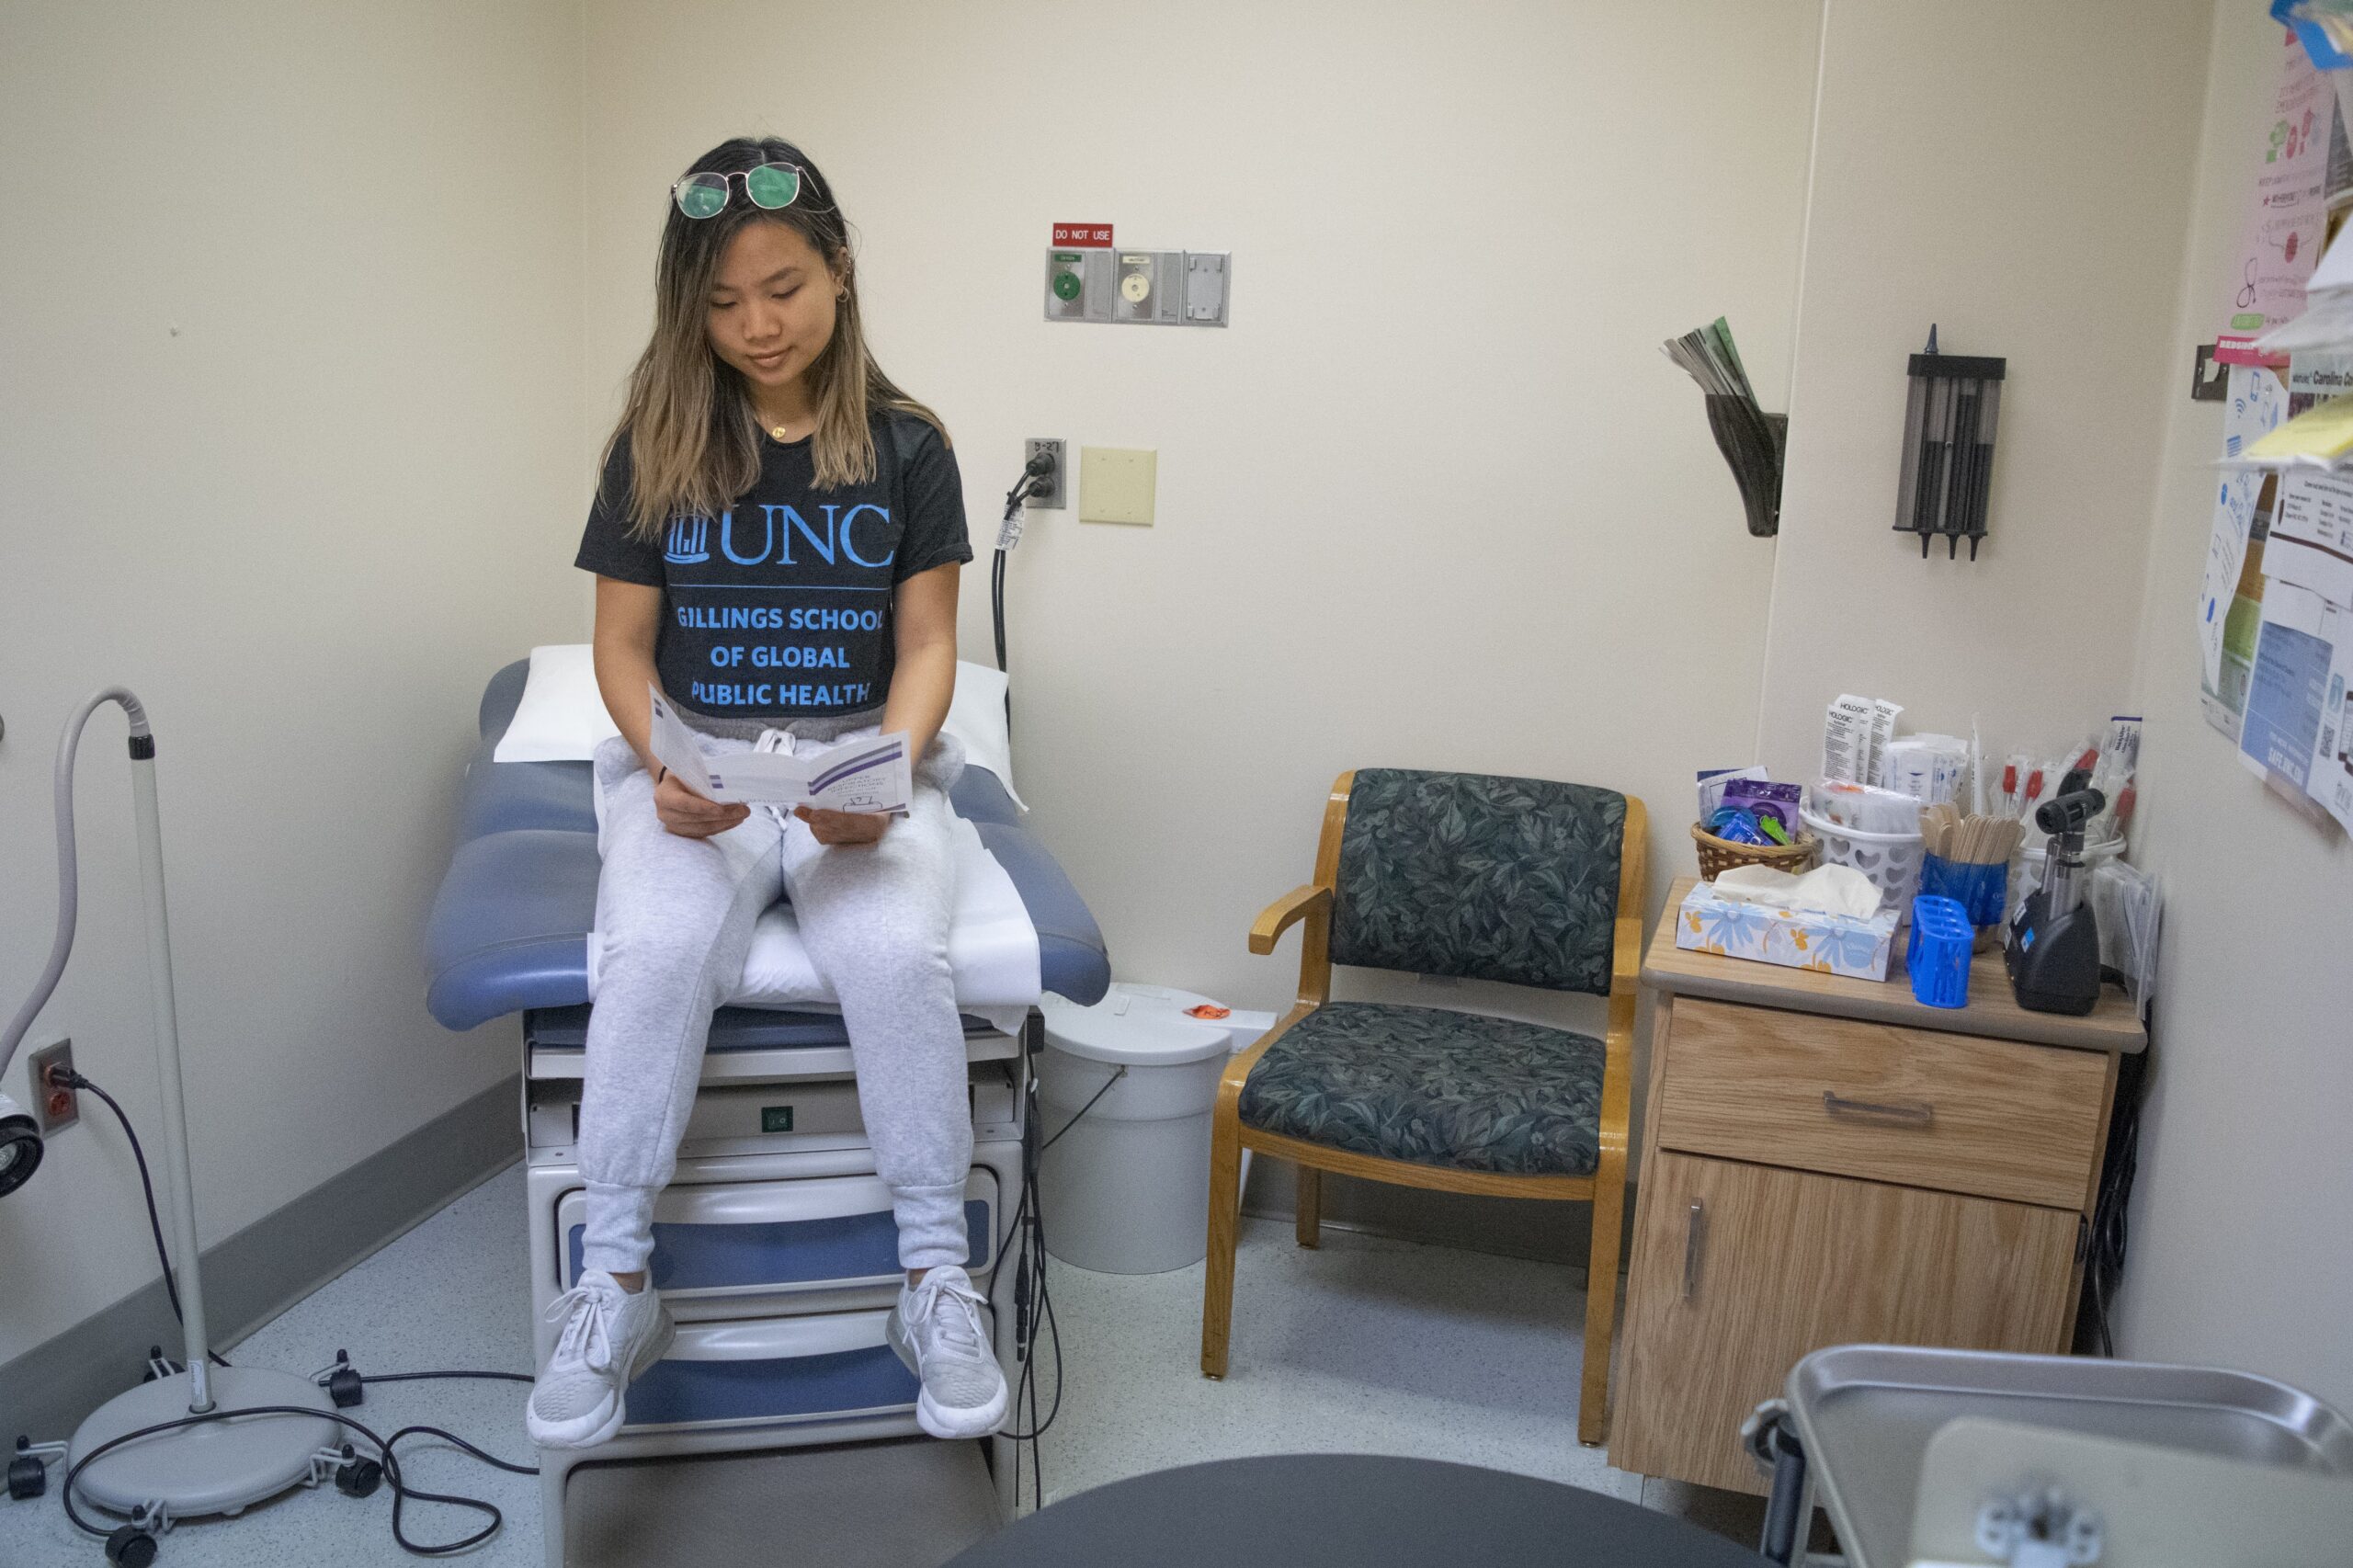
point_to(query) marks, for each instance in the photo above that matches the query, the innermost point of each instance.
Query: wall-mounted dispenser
(1948, 448)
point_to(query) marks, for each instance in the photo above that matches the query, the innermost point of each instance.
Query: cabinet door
(1740, 1270)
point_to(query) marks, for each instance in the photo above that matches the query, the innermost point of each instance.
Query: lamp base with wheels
(214, 1467)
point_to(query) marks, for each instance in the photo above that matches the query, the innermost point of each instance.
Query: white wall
(289, 319)
(2240, 1251)
(1433, 499)
(2019, 174)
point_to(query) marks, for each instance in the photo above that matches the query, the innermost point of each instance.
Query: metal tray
(1865, 1414)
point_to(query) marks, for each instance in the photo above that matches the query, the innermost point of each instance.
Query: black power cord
(1033, 1296)
(70, 1079)
(1034, 475)
(403, 1493)
(2105, 1244)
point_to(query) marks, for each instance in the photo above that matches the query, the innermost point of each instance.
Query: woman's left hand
(843, 827)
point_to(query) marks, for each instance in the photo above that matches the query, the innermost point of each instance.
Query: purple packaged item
(1763, 797)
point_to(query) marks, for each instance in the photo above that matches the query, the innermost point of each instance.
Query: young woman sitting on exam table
(776, 539)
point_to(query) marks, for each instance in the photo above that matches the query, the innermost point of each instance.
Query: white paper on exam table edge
(871, 775)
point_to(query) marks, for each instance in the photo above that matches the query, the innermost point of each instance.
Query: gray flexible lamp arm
(159, 980)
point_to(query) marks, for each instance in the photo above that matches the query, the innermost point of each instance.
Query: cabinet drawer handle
(1695, 1238)
(1918, 1112)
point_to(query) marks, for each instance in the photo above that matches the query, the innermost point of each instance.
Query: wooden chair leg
(1225, 1217)
(1601, 1297)
(1310, 1207)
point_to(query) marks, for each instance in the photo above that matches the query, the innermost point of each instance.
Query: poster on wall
(2231, 599)
(2286, 223)
(2295, 652)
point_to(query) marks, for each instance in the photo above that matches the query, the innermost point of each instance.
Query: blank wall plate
(1116, 485)
(1205, 287)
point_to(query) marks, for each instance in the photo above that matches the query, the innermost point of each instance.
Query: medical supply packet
(871, 773)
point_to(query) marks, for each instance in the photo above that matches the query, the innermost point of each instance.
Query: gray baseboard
(252, 1276)
(1511, 1227)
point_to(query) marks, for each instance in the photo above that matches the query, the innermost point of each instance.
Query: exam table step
(844, 1505)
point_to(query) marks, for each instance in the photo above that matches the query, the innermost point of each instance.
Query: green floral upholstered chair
(1515, 880)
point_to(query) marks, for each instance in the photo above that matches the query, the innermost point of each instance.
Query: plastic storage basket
(1891, 860)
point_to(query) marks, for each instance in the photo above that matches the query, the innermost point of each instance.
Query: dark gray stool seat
(1348, 1511)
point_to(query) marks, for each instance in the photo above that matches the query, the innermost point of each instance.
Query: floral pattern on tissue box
(1834, 944)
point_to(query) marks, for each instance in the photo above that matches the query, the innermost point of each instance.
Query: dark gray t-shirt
(781, 606)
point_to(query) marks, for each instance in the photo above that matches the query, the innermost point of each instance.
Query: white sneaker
(938, 1330)
(609, 1336)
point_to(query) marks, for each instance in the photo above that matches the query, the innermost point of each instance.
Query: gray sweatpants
(675, 915)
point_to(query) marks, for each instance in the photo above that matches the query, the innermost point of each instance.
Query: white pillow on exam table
(561, 717)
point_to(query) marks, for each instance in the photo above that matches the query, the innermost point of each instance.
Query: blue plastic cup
(1980, 890)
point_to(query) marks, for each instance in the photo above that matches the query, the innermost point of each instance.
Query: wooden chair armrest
(1626, 955)
(1625, 982)
(1286, 911)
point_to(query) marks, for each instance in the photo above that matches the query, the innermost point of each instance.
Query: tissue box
(1836, 944)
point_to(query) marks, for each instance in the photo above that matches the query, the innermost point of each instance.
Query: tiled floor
(1365, 1346)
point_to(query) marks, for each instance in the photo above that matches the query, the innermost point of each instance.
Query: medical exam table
(775, 1245)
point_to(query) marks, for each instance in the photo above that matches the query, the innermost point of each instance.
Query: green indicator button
(776, 1119)
(1066, 285)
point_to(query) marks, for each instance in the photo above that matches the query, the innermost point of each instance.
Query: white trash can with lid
(1126, 1185)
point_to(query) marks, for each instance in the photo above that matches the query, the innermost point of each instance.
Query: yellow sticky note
(2325, 432)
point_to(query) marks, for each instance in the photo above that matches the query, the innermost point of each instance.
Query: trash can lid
(1139, 1025)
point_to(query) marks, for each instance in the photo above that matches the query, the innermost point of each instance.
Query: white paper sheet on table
(992, 948)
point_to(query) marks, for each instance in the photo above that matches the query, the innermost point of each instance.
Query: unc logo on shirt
(745, 540)
(690, 541)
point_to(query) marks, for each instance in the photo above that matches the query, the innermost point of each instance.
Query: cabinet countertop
(1993, 1010)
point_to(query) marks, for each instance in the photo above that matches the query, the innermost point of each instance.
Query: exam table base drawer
(731, 1116)
(781, 1371)
(1961, 1113)
(738, 1249)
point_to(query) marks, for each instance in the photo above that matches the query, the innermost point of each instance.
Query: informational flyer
(870, 774)
(2331, 783)
(2294, 658)
(2288, 215)
(2312, 534)
(2256, 404)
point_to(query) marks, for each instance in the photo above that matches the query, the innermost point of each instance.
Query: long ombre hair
(694, 436)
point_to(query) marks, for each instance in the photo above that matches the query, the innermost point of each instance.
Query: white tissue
(1827, 889)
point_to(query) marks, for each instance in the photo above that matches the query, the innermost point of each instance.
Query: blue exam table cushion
(509, 927)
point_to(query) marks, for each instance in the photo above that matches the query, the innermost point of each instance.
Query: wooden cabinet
(1826, 1161)
(1740, 1270)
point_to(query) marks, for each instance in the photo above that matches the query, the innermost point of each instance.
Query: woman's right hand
(687, 814)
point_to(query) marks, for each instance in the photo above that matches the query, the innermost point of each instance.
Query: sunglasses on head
(704, 195)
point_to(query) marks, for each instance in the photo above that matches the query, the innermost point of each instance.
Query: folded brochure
(871, 773)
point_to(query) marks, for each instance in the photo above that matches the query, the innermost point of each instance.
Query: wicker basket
(1720, 854)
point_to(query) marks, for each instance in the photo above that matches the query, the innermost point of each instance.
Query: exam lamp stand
(224, 1464)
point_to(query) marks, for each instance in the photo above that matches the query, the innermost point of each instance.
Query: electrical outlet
(1051, 494)
(55, 1106)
